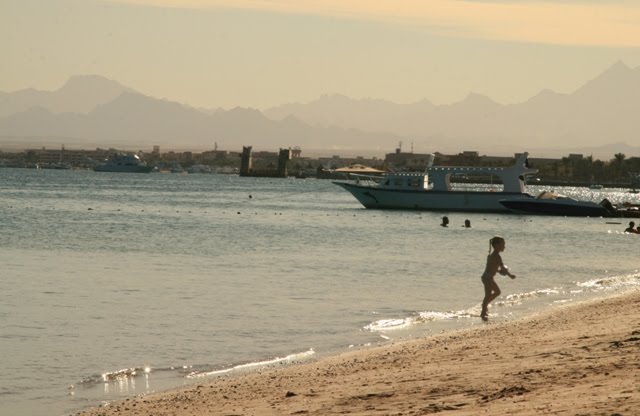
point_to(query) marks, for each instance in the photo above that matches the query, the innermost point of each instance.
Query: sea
(114, 285)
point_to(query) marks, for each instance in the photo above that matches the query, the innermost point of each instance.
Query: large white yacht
(432, 190)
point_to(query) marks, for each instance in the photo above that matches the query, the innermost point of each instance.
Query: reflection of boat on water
(549, 203)
(432, 190)
(124, 163)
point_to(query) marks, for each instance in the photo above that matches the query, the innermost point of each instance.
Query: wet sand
(575, 360)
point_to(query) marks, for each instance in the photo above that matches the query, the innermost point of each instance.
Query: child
(494, 265)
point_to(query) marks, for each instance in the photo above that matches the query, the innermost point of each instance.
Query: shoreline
(579, 358)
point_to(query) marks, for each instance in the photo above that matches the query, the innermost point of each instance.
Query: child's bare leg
(496, 292)
(491, 291)
(487, 298)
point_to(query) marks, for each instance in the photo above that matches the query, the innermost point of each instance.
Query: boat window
(414, 182)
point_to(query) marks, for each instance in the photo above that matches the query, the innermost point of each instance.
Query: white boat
(343, 173)
(432, 190)
(122, 162)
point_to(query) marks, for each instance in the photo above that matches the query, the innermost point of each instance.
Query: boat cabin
(438, 178)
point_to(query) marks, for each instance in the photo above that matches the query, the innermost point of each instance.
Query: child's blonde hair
(495, 240)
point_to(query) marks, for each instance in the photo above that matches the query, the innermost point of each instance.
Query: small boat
(199, 169)
(595, 186)
(432, 190)
(124, 162)
(550, 203)
(343, 173)
(628, 210)
(177, 168)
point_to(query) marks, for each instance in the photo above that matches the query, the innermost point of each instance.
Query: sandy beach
(581, 359)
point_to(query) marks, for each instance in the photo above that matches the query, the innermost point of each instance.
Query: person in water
(494, 265)
(445, 222)
(630, 228)
(467, 224)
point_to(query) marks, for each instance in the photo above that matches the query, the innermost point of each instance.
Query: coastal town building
(575, 167)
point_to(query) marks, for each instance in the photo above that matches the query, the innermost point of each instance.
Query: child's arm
(504, 270)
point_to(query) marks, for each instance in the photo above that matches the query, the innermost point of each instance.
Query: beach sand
(581, 359)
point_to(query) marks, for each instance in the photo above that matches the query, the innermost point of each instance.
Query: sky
(263, 53)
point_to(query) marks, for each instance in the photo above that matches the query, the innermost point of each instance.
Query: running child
(494, 265)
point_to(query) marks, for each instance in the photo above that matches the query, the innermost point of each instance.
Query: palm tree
(619, 160)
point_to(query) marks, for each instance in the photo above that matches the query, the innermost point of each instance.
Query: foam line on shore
(291, 358)
(567, 360)
(593, 286)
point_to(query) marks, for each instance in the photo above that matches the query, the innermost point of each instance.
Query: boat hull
(429, 200)
(559, 208)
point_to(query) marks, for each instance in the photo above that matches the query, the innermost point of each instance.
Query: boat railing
(363, 179)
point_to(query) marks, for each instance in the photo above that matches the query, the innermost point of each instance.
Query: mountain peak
(618, 71)
(80, 94)
(619, 77)
(619, 66)
(92, 84)
(545, 95)
(474, 99)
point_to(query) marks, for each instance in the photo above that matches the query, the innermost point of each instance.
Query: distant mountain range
(600, 118)
(92, 111)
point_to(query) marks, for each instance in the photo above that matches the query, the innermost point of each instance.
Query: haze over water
(176, 278)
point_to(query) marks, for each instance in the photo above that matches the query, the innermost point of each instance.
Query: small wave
(557, 294)
(288, 359)
(441, 316)
(612, 282)
(116, 376)
(518, 298)
(389, 324)
(382, 325)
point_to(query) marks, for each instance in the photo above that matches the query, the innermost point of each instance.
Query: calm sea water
(120, 284)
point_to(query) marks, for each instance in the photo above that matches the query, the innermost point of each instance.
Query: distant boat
(343, 173)
(199, 169)
(226, 170)
(176, 169)
(595, 186)
(121, 162)
(54, 166)
(629, 210)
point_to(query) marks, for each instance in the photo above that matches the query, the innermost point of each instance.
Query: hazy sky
(261, 53)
